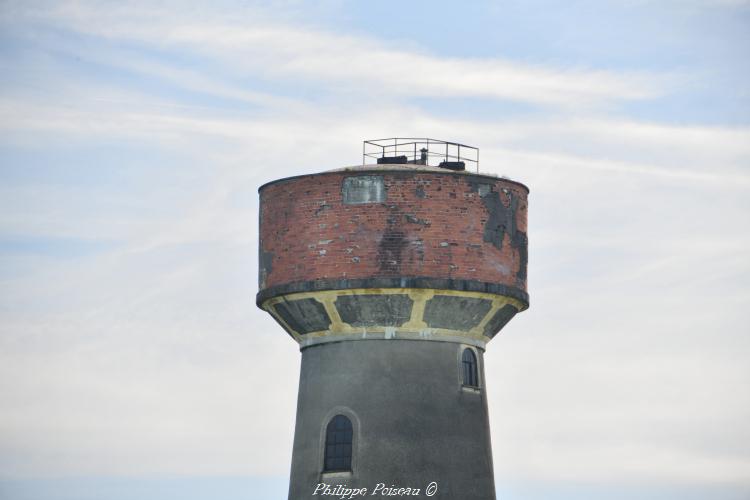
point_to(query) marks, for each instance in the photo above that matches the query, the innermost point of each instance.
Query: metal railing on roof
(420, 151)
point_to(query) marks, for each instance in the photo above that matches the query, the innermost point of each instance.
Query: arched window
(338, 456)
(469, 364)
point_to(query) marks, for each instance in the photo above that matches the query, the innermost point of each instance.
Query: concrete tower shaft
(392, 279)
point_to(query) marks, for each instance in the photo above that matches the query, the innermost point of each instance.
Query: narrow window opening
(469, 365)
(338, 453)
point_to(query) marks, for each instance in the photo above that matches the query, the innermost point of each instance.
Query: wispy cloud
(253, 43)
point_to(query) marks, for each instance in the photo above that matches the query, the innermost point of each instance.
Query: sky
(133, 138)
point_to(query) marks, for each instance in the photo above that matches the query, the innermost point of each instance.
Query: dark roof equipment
(420, 151)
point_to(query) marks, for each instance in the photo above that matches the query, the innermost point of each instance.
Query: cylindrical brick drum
(407, 251)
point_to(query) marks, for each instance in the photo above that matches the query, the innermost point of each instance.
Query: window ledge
(471, 388)
(343, 473)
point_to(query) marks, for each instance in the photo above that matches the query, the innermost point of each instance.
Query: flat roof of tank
(398, 167)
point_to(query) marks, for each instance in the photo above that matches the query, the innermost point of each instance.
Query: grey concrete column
(414, 422)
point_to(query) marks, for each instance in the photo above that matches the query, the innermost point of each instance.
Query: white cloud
(254, 43)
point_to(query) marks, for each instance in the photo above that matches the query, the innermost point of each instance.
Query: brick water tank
(392, 277)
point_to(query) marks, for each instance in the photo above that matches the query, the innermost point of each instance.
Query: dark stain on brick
(416, 220)
(499, 320)
(266, 266)
(502, 220)
(521, 242)
(419, 191)
(390, 249)
(322, 208)
(416, 252)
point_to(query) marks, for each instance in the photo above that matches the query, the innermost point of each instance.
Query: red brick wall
(431, 224)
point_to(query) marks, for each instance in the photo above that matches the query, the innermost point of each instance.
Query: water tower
(392, 277)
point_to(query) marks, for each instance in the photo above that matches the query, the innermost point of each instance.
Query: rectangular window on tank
(363, 189)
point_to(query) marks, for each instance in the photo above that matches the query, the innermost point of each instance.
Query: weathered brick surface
(431, 224)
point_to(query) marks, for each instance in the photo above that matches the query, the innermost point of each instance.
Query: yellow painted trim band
(415, 327)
